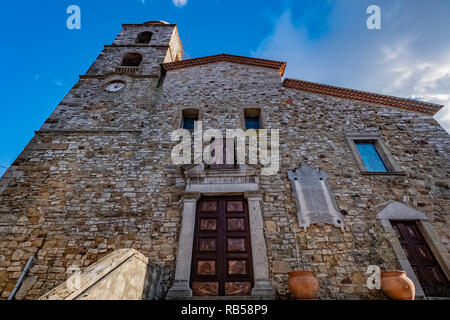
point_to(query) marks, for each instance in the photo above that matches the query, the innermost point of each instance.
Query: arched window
(131, 59)
(144, 37)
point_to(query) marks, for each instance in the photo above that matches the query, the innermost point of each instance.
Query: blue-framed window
(189, 118)
(252, 123)
(370, 157)
(188, 123)
(252, 118)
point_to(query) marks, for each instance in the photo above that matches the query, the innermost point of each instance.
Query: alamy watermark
(74, 20)
(374, 279)
(374, 20)
(230, 149)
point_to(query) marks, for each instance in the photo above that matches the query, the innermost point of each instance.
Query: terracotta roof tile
(408, 104)
(281, 66)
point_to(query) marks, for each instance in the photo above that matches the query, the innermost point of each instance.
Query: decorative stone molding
(263, 286)
(104, 131)
(149, 23)
(220, 181)
(126, 70)
(180, 288)
(394, 210)
(191, 196)
(110, 74)
(136, 45)
(315, 201)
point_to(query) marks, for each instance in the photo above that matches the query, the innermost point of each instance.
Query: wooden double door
(221, 259)
(428, 271)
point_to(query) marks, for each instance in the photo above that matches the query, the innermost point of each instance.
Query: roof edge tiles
(223, 57)
(351, 94)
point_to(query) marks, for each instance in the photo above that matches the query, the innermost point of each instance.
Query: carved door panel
(221, 259)
(429, 273)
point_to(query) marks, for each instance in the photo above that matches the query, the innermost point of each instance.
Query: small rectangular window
(188, 123)
(370, 157)
(252, 123)
(189, 118)
(252, 119)
(372, 154)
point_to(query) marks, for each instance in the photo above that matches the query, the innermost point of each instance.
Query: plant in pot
(394, 283)
(302, 283)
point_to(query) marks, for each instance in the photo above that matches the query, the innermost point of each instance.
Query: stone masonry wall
(110, 184)
(94, 179)
(161, 35)
(164, 46)
(312, 129)
(111, 57)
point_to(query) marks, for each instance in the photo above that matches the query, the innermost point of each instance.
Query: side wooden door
(428, 271)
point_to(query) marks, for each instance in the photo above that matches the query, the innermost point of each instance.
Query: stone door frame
(262, 288)
(394, 210)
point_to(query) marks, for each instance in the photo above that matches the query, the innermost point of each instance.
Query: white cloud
(179, 3)
(48, 78)
(409, 57)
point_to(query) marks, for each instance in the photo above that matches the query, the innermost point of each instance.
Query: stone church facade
(98, 176)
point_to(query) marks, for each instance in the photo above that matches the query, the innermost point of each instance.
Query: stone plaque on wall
(315, 201)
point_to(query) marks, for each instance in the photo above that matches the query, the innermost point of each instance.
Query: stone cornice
(253, 195)
(99, 131)
(136, 45)
(110, 74)
(148, 24)
(191, 196)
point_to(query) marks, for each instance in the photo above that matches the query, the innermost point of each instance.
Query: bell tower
(140, 49)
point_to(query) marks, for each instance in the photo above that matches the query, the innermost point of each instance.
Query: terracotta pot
(396, 285)
(303, 284)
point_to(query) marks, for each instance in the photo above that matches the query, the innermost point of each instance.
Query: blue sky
(325, 41)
